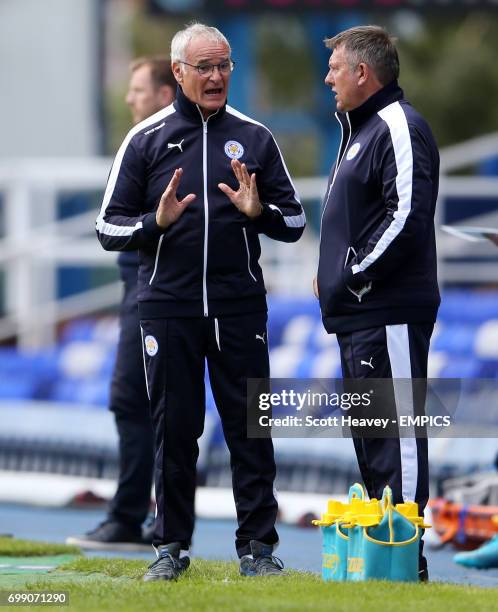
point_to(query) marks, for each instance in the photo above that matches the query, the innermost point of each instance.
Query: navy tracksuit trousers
(175, 353)
(130, 405)
(399, 352)
(393, 351)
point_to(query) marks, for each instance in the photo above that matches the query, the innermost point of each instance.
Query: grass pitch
(11, 547)
(115, 584)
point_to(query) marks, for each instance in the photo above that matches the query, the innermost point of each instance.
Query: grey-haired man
(201, 289)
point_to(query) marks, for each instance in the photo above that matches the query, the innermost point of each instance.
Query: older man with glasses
(201, 289)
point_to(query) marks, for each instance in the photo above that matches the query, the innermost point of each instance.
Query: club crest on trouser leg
(151, 345)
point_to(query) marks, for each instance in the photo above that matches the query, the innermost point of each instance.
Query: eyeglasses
(206, 70)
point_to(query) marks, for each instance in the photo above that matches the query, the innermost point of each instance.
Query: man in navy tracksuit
(376, 279)
(152, 87)
(201, 291)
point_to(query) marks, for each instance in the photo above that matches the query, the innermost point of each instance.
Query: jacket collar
(380, 99)
(190, 109)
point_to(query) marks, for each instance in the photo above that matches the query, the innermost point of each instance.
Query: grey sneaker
(261, 562)
(168, 566)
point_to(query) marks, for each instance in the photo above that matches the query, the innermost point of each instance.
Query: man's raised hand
(170, 209)
(246, 199)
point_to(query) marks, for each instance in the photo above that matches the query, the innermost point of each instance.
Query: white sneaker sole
(109, 546)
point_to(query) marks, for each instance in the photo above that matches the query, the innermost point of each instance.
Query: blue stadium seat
(304, 367)
(285, 360)
(21, 387)
(32, 373)
(460, 367)
(93, 391)
(326, 363)
(465, 306)
(103, 329)
(282, 309)
(78, 330)
(83, 359)
(455, 338)
(108, 364)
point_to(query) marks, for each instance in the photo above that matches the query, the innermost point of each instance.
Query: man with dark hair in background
(377, 277)
(152, 87)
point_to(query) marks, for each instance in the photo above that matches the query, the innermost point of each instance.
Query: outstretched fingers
(186, 200)
(227, 190)
(253, 184)
(174, 182)
(237, 169)
(245, 175)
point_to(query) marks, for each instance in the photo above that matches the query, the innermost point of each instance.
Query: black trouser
(130, 405)
(175, 352)
(393, 351)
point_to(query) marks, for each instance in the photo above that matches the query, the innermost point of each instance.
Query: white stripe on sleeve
(295, 221)
(395, 118)
(298, 220)
(122, 230)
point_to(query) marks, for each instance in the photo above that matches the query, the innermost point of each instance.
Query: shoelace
(269, 561)
(166, 555)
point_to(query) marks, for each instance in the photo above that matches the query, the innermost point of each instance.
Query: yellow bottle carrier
(370, 539)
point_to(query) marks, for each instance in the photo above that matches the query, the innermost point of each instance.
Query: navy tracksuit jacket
(206, 263)
(201, 297)
(377, 245)
(377, 275)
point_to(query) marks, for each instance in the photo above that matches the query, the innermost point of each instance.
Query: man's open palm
(170, 209)
(246, 199)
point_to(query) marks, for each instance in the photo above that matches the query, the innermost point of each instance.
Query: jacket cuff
(265, 216)
(150, 226)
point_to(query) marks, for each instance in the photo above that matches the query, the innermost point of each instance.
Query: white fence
(35, 244)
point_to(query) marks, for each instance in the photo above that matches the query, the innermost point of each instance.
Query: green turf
(115, 584)
(11, 547)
